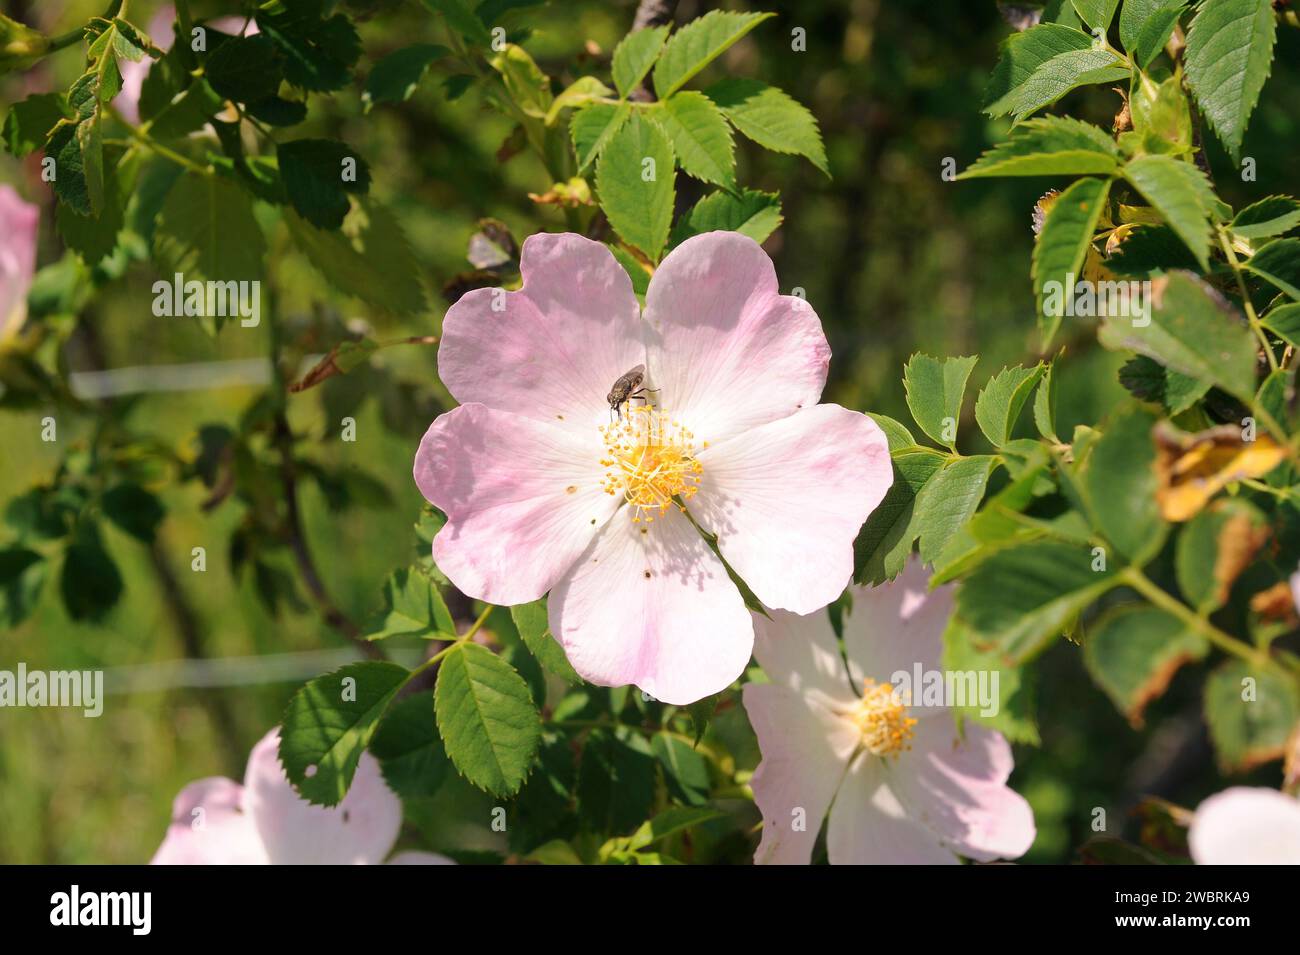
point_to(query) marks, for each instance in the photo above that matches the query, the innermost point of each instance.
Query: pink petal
(957, 787)
(209, 827)
(1246, 825)
(19, 222)
(787, 498)
(803, 655)
(360, 830)
(897, 625)
(412, 857)
(869, 826)
(728, 352)
(522, 499)
(806, 750)
(556, 346)
(653, 606)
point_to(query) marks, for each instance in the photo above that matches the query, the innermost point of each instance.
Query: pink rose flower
(1246, 825)
(216, 821)
(546, 489)
(899, 782)
(18, 226)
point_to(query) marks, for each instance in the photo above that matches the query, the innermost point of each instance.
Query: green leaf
(1022, 54)
(885, 541)
(1096, 13)
(1062, 73)
(1284, 321)
(634, 177)
(1133, 652)
(22, 577)
(531, 622)
(328, 725)
(1049, 146)
(1251, 712)
(749, 212)
(410, 751)
(319, 175)
(1146, 25)
(670, 822)
(486, 715)
(245, 69)
(634, 56)
(1062, 247)
(462, 18)
(896, 433)
(947, 501)
(696, 45)
(188, 113)
(1045, 406)
(1013, 709)
(935, 390)
(134, 510)
(1228, 57)
(207, 232)
(616, 782)
(1279, 263)
(1023, 597)
(1210, 545)
(369, 258)
(1182, 195)
(1193, 330)
(529, 88)
(28, 123)
(998, 406)
(700, 136)
(771, 118)
(592, 127)
(1120, 480)
(686, 772)
(413, 607)
(318, 53)
(395, 77)
(580, 92)
(1272, 216)
(89, 582)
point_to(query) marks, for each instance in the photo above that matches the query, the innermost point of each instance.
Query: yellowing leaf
(1192, 468)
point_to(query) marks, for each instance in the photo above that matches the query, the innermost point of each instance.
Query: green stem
(1256, 326)
(463, 638)
(1143, 584)
(144, 139)
(66, 40)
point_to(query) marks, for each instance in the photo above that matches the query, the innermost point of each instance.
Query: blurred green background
(894, 258)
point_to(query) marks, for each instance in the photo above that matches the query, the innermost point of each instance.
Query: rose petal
(896, 625)
(360, 830)
(787, 499)
(19, 222)
(522, 498)
(1246, 825)
(956, 785)
(802, 654)
(727, 351)
(556, 346)
(209, 827)
(806, 750)
(869, 826)
(412, 857)
(653, 606)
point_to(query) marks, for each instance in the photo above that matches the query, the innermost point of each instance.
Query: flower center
(881, 718)
(649, 459)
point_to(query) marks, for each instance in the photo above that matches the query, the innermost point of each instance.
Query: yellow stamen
(650, 459)
(881, 717)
